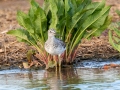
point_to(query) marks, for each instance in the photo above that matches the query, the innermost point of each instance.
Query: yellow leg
(59, 61)
(54, 58)
(60, 68)
(56, 65)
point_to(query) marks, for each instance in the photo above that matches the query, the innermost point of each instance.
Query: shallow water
(88, 75)
(68, 79)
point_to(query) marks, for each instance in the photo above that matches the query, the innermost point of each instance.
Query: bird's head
(51, 32)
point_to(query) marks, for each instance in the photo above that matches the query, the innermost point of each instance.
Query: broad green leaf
(115, 46)
(118, 12)
(33, 10)
(54, 10)
(117, 31)
(88, 22)
(67, 7)
(61, 9)
(24, 20)
(23, 35)
(116, 39)
(40, 24)
(100, 21)
(99, 30)
(46, 6)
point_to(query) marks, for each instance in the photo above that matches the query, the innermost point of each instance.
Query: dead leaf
(25, 65)
(1, 50)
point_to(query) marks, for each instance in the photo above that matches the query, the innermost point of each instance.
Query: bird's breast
(54, 48)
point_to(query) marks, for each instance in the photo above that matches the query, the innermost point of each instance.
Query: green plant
(114, 34)
(73, 19)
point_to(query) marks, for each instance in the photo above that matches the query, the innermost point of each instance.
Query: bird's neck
(51, 38)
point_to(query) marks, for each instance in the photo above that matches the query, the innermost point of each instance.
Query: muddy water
(68, 79)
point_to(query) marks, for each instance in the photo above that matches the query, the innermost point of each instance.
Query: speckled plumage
(53, 45)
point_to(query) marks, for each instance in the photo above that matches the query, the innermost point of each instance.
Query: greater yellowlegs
(53, 45)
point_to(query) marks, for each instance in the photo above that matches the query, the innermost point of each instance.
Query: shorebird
(54, 46)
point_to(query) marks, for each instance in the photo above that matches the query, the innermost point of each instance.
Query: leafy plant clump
(114, 33)
(73, 19)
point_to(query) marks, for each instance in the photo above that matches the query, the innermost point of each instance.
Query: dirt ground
(13, 52)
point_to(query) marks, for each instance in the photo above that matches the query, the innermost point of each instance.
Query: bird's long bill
(58, 35)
